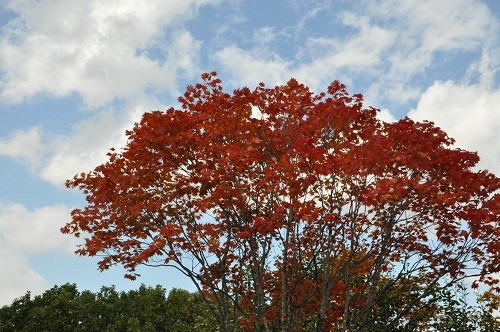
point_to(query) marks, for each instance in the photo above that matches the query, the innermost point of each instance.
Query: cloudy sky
(75, 74)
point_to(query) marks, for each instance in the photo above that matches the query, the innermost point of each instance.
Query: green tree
(458, 312)
(16, 315)
(144, 309)
(55, 310)
(392, 313)
(187, 312)
(64, 308)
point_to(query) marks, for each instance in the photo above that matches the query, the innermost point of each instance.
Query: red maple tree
(291, 210)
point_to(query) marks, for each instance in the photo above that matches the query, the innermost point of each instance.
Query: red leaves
(314, 176)
(170, 230)
(244, 234)
(265, 225)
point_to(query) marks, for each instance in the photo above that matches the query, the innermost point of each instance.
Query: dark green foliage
(457, 314)
(15, 316)
(64, 308)
(403, 307)
(186, 312)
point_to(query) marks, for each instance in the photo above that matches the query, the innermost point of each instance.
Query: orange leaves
(490, 299)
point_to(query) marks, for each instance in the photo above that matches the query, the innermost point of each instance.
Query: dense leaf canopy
(292, 209)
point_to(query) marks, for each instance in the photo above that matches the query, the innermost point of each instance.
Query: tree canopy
(64, 308)
(292, 210)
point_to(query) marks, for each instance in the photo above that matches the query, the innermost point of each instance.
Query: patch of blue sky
(20, 184)
(6, 15)
(58, 269)
(52, 113)
(494, 6)
(450, 66)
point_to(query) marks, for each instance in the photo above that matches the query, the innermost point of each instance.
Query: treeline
(64, 308)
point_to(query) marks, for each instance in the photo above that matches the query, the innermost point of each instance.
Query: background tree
(244, 192)
(64, 308)
(187, 311)
(456, 312)
(390, 308)
(56, 310)
(14, 316)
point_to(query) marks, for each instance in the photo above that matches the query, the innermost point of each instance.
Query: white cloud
(84, 149)
(486, 68)
(60, 157)
(24, 232)
(360, 53)
(35, 231)
(248, 68)
(264, 35)
(182, 52)
(93, 48)
(439, 24)
(470, 114)
(23, 145)
(86, 146)
(389, 45)
(17, 277)
(425, 29)
(385, 115)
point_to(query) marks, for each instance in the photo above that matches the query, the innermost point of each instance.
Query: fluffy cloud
(17, 277)
(438, 25)
(435, 26)
(362, 52)
(102, 50)
(60, 157)
(426, 29)
(99, 49)
(250, 69)
(389, 45)
(35, 231)
(86, 146)
(24, 232)
(470, 114)
(23, 145)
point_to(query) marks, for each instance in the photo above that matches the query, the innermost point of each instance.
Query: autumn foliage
(292, 210)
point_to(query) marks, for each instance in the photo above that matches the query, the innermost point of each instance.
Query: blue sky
(74, 75)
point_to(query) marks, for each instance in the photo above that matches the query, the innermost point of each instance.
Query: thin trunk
(258, 268)
(364, 314)
(284, 293)
(345, 315)
(326, 287)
